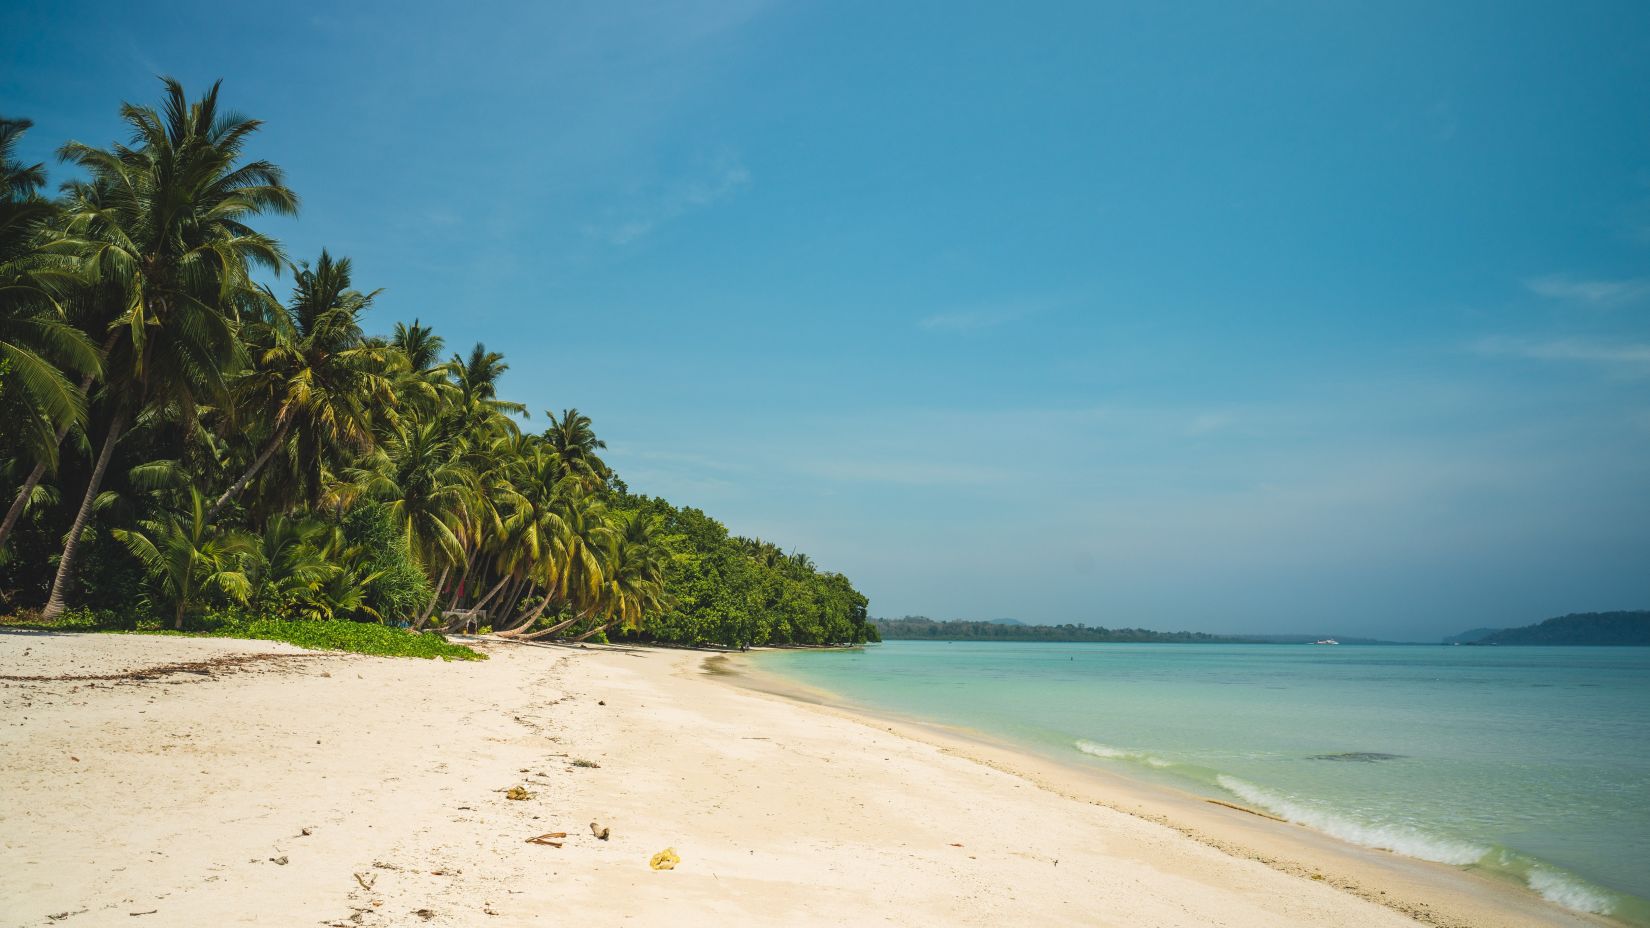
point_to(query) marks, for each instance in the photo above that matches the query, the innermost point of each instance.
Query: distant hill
(1582, 628)
(913, 627)
(1472, 636)
(922, 628)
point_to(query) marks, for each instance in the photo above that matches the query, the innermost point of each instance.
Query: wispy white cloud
(1598, 292)
(1632, 355)
(977, 318)
(728, 176)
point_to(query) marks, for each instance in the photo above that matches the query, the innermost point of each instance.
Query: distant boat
(1327, 641)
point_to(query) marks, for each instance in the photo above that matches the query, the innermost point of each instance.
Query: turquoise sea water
(1532, 763)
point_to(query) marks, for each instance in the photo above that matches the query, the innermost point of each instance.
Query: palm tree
(633, 566)
(586, 531)
(185, 557)
(161, 222)
(38, 405)
(575, 442)
(317, 374)
(425, 490)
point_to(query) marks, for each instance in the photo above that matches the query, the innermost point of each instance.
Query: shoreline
(366, 792)
(1432, 893)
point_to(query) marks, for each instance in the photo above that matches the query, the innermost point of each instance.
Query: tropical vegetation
(182, 446)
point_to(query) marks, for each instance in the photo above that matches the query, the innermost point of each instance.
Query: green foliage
(398, 588)
(736, 591)
(359, 637)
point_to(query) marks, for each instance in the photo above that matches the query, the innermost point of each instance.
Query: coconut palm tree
(162, 224)
(318, 376)
(38, 404)
(575, 442)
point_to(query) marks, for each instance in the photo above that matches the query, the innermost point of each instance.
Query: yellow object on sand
(665, 860)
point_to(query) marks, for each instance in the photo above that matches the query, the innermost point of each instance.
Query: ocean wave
(1396, 838)
(1570, 891)
(1097, 749)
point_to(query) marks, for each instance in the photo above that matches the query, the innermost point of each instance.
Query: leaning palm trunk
(458, 587)
(492, 592)
(545, 633)
(23, 494)
(511, 598)
(239, 486)
(526, 623)
(594, 631)
(39, 472)
(434, 598)
(71, 545)
(480, 602)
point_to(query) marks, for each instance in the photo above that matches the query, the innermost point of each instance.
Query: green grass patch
(358, 637)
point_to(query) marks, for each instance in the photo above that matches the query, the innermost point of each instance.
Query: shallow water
(1533, 763)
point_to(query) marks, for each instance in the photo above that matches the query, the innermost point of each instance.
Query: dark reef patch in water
(1364, 757)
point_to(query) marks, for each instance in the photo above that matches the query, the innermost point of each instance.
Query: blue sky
(1262, 317)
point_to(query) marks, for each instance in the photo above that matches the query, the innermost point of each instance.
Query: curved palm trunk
(239, 486)
(458, 588)
(545, 633)
(23, 494)
(528, 622)
(492, 592)
(39, 473)
(596, 630)
(434, 598)
(71, 545)
(513, 597)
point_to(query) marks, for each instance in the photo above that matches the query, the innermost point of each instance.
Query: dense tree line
(181, 443)
(1580, 628)
(921, 627)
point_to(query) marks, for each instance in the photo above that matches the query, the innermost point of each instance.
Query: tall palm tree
(162, 223)
(38, 404)
(317, 374)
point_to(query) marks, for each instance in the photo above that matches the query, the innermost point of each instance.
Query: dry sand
(183, 782)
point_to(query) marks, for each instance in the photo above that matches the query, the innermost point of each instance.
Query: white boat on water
(1327, 641)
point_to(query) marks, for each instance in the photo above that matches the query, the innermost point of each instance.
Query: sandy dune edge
(186, 795)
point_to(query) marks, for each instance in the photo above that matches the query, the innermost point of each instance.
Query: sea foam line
(1097, 749)
(1396, 838)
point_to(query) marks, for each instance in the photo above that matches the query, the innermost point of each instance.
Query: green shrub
(398, 589)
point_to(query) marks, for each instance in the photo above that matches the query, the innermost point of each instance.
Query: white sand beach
(175, 781)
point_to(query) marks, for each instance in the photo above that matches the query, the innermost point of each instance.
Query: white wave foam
(1396, 838)
(1570, 891)
(1101, 750)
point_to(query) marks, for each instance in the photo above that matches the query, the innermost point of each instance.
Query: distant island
(922, 628)
(1580, 628)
